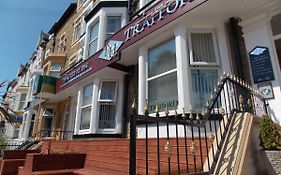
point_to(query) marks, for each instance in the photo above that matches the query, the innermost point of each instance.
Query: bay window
(107, 100)
(162, 75)
(204, 61)
(86, 107)
(93, 39)
(113, 25)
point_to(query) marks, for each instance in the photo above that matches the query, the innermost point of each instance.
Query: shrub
(270, 137)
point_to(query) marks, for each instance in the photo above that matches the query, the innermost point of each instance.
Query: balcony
(54, 56)
(44, 86)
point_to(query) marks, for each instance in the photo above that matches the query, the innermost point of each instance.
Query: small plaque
(261, 65)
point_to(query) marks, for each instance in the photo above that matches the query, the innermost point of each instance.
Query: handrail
(226, 101)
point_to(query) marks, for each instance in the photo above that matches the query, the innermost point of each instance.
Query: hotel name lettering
(81, 70)
(159, 13)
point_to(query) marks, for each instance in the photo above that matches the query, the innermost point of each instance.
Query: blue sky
(20, 24)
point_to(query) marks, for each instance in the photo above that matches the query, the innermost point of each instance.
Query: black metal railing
(189, 143)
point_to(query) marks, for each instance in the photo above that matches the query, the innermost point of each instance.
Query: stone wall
(274, 158)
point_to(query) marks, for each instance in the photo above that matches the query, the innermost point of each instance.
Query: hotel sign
(158, 15)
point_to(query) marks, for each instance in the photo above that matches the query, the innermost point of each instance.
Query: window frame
(215, 44)
(78, 22)
(112, 33)
(96, 22)
(115, 92)
(81, 106)
(169, 72)
(62, 43)
(22, 102)
(106, 102)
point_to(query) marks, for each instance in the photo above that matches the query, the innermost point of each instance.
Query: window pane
(77, 31)
(107, 116)
(164, 90)
(203, 83)
(162, 58)
(276, 24)
(107, 91)
(203, 47)
(55, 67)
(94, 31)
(87, 95)
(23, 97)
(85, 118)
(93, 47)
(113, 25)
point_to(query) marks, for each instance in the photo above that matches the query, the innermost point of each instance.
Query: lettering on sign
(73, 75)
(159, 13)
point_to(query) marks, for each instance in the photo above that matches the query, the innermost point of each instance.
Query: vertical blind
(203, 49)
(162, 88)
(203, 83)
(107, 105)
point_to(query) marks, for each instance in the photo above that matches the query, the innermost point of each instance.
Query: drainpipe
(236, 48)
(125, 106)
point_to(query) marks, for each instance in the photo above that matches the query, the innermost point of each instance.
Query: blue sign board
(261, 64)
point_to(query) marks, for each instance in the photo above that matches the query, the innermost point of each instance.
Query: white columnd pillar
(142, 80)
(183, 69)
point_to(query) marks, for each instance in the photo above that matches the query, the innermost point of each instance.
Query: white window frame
(56, 70)
(62, 43)
(94, 39)
(107, 102)
(22, 101)
(115, 91)
(112, 15)
(214, 38)
(71, 61)
(81, 131)
(77, 22)
(162, 74)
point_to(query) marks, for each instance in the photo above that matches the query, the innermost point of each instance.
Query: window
(72, 61)
(162, 75)
(55, 70)
(204, 73)
(86, 107)
(77, 30)
(107, 99)
(93, 41)
(203, 83)
(202, 48)
(62, 44)
(22, 101)
(113, 25)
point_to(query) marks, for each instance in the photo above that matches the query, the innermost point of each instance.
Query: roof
(69, 11)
